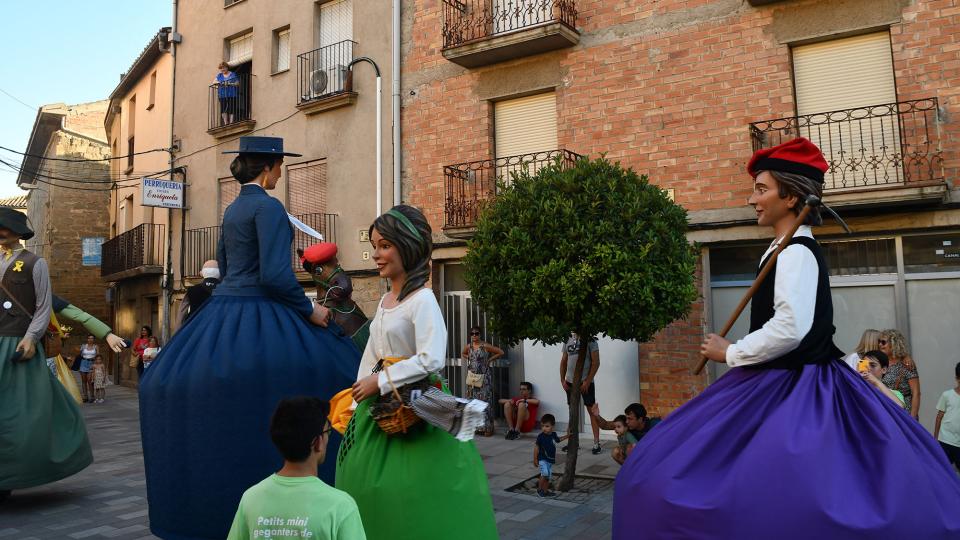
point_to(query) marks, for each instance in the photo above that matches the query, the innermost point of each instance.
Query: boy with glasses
(294, 501)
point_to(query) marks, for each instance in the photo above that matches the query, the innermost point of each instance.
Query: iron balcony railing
(140, 246)
(229, 102)
(470, 20)
(879, 145)
(325, 224)
(469, 185)
(201, 244)
(323, 72)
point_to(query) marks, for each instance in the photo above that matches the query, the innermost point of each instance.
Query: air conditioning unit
(326, 81)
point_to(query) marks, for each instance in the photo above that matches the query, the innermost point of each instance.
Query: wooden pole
(811, 202)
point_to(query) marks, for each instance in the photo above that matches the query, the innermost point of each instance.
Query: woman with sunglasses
(902, 375)
(478, 356)
(869, 341)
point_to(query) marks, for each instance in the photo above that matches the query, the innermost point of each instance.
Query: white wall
(617, 381)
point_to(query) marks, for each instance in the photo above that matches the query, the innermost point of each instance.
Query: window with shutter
(523, 126)
(307, 188)
(241, 49)
(336, 22)
(283, 50)
(228, 192)
(861, 145)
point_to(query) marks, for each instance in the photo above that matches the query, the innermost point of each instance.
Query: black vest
(18, 279)
(817, 346)
(198, 294)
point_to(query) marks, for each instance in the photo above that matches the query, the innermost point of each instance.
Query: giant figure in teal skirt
(424, 484)
(42, 435)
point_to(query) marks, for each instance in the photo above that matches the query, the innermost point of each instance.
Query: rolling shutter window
(862, 146)
(525, 125)
(844, 73)
(336, 22)
(228, 192)
(283, 50)
(241, 49)
(307, 188)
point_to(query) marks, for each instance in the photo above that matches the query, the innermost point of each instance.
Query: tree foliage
(591, 248)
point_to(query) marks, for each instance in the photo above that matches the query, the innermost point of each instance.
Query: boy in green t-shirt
(872, 368)
(294, 502)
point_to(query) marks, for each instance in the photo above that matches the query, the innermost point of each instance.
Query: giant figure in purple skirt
(791, 443)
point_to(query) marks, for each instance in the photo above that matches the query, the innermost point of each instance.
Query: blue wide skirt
(206, 402)
(788, 454)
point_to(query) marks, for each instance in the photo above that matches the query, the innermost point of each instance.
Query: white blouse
(413, 330)
(794, 300)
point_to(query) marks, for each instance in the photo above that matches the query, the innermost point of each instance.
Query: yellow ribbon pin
(18, 266)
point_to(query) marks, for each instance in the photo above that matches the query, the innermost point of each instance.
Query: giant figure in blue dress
(206, 401)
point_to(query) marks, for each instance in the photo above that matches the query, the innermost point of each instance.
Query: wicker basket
(391, 413)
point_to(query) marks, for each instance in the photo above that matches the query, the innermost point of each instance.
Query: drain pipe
(379, 125)
(395, 75)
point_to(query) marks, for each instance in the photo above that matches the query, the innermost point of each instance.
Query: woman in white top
(88, 352)
(424, 484)
(869, 341)
(151, 351)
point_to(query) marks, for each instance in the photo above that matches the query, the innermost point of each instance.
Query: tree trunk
(573, 443)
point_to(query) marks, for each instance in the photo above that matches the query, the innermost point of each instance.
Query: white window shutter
(283, 50)
(241, 49)
(336, 22)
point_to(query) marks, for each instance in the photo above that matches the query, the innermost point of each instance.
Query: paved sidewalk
(108, 499)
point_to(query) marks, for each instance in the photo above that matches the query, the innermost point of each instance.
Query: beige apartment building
(137, 124)
(66, 174)
(291, 63)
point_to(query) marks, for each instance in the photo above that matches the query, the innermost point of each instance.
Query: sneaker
(549, 494)
(541, 493)
(509, 435)
(596, 449)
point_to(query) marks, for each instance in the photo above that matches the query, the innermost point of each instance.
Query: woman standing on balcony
(205, 404)
(228, 85)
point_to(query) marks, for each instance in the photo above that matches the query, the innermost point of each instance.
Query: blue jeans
(546, 469)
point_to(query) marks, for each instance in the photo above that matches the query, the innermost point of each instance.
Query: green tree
(591, 248)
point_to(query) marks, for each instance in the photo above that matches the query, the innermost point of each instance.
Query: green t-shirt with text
(296, 507)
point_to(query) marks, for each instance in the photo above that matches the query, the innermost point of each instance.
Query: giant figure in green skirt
(424, 484)
(42, 435)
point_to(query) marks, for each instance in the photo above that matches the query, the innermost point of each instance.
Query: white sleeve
(794, 300)
(430, 334)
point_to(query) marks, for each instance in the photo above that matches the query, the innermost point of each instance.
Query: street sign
(162, 193)
(90, 250)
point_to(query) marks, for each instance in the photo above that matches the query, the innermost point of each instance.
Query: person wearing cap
(335, 288)
(43, 437)
(206, 401)
(197, 294)
(790, 443)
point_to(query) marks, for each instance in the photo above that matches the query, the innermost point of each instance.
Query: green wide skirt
(423, 485)
(43, 437)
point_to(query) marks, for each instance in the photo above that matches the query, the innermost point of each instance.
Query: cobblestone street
(108, 499)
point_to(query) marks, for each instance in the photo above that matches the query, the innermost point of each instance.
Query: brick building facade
(62, 215)
(684, 91)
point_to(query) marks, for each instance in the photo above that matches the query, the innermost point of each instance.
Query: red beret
(319, 253)
(799, 156)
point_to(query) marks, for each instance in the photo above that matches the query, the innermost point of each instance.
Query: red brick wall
(673, 102)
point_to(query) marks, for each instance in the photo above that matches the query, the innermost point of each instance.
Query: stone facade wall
(667, 88)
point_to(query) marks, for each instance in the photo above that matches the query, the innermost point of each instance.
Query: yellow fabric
(66, 379)
(340, 411)
(341, 404)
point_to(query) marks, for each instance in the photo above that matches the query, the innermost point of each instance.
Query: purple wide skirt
(815, 453)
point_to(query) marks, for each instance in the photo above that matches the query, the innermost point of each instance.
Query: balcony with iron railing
(200, 244)
(469, 185)
(888, 152)
(482, 32)
(138, 251)
(323, 78)
(229, 106)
